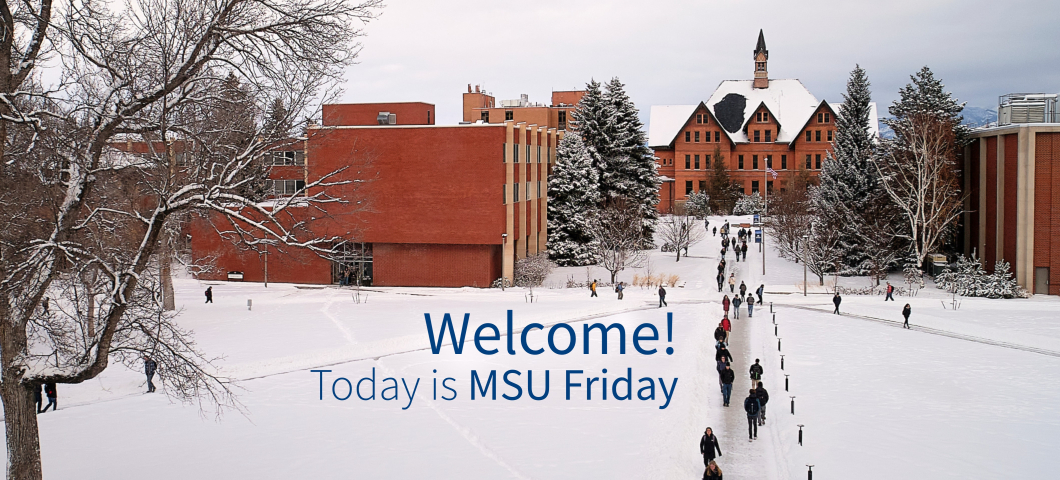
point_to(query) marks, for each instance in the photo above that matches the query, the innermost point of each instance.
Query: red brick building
(442, 205)
(756, 124)
(1012, 180)
(480, 106)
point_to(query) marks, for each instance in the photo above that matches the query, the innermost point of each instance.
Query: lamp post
(504, 242)
(805, 240)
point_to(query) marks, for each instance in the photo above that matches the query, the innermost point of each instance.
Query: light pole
(805, 240)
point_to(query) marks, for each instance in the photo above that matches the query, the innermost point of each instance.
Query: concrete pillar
(1024, 263)
(999, 236)
(534, 165)
(520, 204)
(508, 255)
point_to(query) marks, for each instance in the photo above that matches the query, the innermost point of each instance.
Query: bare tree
(789, 220)
(532, 270)
(680, 230)
(819, 249)
(85, 222)
(919, 172)
(617, 229)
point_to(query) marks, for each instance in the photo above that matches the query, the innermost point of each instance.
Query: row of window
(706, 136)
(692, 162)
(527, 154)
(703, 186)
(294, 157)
(815, 135)
(287, 187)
(515, 192)
(757, 137)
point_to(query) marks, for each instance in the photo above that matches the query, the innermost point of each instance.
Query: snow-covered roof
(874, 118)
(789, 101)
(666, 121)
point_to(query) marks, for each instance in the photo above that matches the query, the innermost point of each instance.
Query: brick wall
(436, 265)
(1047, 207)
(990, 255)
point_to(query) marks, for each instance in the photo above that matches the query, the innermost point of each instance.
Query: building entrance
(351, 264)
(1041, 280)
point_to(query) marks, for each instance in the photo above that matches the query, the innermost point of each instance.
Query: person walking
(719, 333)
(619, 288)
(725, 305)
(592, 287)
(662, 297)
(756, 373)
(743, 249)
(743, 288)
(209, 294)
(752, 407)
(727, 377)
(890, 292)
(721, 278)
(707, 446)
(837, 300)
(763, 399)
(723, 354)
(761, 291)
(49, 391)
(905, 313)
(750, 306)
(38, 397)
(715, 231)
(45, 304)
(736, 301)
(727, 325)
(732, 282)
(149, 369)
(720, 368)
(713, 471)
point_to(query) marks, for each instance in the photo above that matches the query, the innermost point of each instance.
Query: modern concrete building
(430, 205)
(1012, 177)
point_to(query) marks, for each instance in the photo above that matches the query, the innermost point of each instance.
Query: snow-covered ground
(959, 396)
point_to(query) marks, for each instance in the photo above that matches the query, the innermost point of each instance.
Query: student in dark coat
(723, 354)
(662, 297)
(209, 294)
(752, 407)
(149, 369)
(719, 333)
(756, 373)
(708, 445)
(49, 390)
(760, 292)
(727, 377)
(763, 399)
(836, 300)
(38, 398)
(905, 313)
(743, 250)
(712, 472)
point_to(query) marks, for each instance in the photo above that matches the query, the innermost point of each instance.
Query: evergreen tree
(573, 193)
(629, 167)
(849, 183)
(722, 192)
(927, 95)
(591, 120)
(277, 121)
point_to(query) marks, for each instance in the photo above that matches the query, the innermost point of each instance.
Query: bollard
(800, 434)
(809, 474)
(770, 307)
(775, 330)
(781, 362)
(778, 344)
(785, 382)
(250, 303)
(793, 405)
(774, 319)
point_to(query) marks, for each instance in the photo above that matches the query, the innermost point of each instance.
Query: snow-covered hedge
(749, 205)
(698, 204)
(967, 277)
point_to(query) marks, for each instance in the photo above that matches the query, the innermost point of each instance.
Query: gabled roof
(747, 121)
(666, 122)
(788, 100)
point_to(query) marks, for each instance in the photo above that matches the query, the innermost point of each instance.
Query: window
(688, 137)
(754, 162)
(740, 161)
(699, 118)
(688, 187)
(688, 162)
(758, 117)
(769, 162)
(769, 135)
(697, 162)
(562, 119)
(515, 191)
(817, 136)
(508, 115)
(516, 152)
(291, 157)
(539, 154)
(706, 162)
(287, 187)
(765, 116)
(760, 66)
(485, 116)
(539, 189)
(817, 161)
(504, 193)
(706, 120)
(808, 138)
(528, 190)
(826, 119)
(528, 154)
(808, 160)
(758, 136)
(820, 117)
(717, 136)
(769, 185)
(783, 162)
(697, 136)
(754, 186)
(702, 185)
(829, 135)
(428, 117)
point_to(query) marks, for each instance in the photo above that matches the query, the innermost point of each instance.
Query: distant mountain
(978, 116)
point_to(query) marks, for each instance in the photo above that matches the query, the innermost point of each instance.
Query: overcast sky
(676, 52)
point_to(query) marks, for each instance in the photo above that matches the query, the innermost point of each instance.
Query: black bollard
(793, 405)
(800, 434)
(778, 344)
(775, 330)
(774, 319)
(770, 307)
(809, 474)
(781, 362)
(785, 383)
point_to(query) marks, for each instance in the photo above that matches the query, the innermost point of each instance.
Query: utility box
(939, 262)
(758, 235)
(235, 276)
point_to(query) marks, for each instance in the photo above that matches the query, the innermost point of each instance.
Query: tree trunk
(165, 263)
(20, 409)
(613, 275)
(679, 254)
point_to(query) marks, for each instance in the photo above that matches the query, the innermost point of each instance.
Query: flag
(771, 172)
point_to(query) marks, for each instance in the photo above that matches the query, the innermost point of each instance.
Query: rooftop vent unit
(1027, 108)
(523, 101)
(386, 118)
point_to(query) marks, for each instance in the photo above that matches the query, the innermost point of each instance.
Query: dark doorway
(351, 264)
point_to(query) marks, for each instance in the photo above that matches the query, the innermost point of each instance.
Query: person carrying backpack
(736, 301)
(763, 399)
(149, 369)
(743, 288)
(719, 333)
(890, 292)
(49, 391)
(592, 288)
(905, 313)
(756, 373)
(708, 445)
(760, 292)
(619, 288)
(750, 306)
(209, 294)
(752, 407)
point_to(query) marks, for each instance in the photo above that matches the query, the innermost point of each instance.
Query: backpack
(751, 406)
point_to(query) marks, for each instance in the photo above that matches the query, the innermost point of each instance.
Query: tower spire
(761, 55)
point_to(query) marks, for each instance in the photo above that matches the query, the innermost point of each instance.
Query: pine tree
(849, 183)
(927, 95)
(277, 121)
(591, 119)
(722, 193)
(573, 193)
(630, 170)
